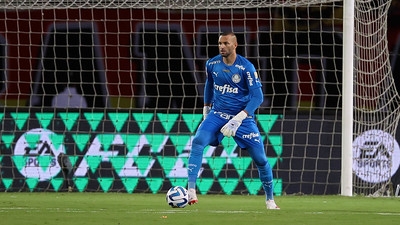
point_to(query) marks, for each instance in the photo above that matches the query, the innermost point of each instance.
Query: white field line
(179, 211)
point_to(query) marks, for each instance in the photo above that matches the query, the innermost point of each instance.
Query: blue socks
(194, 164)
(266, 178)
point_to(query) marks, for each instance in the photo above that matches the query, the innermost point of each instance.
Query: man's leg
(265, 175)
(255, 147)
(200, 141)
(207, 134)
(194, 165)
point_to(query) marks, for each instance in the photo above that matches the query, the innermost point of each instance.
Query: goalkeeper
(232, 93)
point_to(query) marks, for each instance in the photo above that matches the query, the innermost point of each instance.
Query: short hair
(226, 33)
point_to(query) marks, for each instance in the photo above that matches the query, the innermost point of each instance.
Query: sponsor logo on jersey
(214, 62)
(249, 78)
(240, 67)
(236, 78)
(226, 89)
(257, 77)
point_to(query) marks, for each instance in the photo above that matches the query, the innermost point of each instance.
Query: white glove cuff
(206, 109)
(240, 116)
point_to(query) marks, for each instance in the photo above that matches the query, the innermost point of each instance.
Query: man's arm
(208, 94)
(256, 99)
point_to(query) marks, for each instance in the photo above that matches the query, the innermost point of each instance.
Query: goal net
(376, 110)
(106, 95)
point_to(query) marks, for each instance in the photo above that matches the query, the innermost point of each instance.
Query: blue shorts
(247, 136)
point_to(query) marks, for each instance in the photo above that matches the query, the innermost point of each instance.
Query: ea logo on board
(376, 156)
(35, 154)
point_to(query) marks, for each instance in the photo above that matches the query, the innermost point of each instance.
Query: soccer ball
(177, 197)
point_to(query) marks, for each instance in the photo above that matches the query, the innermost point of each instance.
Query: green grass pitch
(152, 209)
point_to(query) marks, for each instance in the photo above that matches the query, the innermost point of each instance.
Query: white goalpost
(347, 105)
(106, 95)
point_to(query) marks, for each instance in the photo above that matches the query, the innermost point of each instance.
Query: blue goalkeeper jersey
(229, 87)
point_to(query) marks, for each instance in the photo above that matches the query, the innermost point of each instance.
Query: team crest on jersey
(236, 78)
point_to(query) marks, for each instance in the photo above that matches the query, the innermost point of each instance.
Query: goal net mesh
(106, 95)
(376, 151)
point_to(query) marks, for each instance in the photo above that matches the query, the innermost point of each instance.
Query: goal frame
(358, 70)
(347, 103)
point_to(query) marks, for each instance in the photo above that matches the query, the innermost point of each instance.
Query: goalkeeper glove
(230, 128)
(206, 110)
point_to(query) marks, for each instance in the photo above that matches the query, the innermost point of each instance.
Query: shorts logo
(251, 135)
